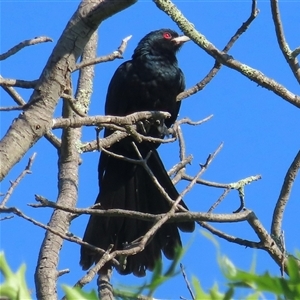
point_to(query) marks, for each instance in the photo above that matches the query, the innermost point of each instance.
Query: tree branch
(283, 45)
(284, 196)
(17, 181)
(116, 54)
(17, 48)
(45, 274)
(6, 82)
(100, 120)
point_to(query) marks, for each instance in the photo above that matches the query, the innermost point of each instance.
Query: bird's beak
(181, 39)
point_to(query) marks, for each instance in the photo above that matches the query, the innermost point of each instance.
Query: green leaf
(76, 293)
(14, 286)
(199, 293)
(293, 270)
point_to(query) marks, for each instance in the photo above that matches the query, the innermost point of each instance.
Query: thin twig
(221, 198)
(116, 54)
(194, 123)
(187, 282)
(231, 238)
(296, 52)
(234, 185)
(62, 272)
(179, 166)
(6, 218)
(17, 181)
(92, 272)
(11, 108)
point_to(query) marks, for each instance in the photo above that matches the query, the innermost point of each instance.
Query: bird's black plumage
(151, 80)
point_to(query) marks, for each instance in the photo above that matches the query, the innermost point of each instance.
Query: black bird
(151, 80)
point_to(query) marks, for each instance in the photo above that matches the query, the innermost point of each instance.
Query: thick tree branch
(45, 278)
(268, 243)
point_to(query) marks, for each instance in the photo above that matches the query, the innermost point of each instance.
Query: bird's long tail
(128, 186)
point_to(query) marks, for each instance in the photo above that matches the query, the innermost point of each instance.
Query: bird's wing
(117, 100)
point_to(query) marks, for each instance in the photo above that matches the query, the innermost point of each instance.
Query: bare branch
(194, 123)
(179, 169)
(14, 94)
(18, 83)
(296, 52)
(17, 48)
(62, 272)
(282, 201)
(99, 120)
(92, 272)
(235, 185)
(17, 181)
(53, 139)
(180, 165)
(187, 282)
(104, 143)
(116, 54)
(73, 103)
(178, 217)
(221, 198)
(283, 45)
(6, 218)
(268, 243)
(231, 238)
(11, 108)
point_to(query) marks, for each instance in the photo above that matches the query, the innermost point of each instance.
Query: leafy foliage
(14, 287)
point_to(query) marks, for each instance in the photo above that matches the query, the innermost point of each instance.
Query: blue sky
(259, 129)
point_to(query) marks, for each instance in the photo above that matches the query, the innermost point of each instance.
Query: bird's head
(163, 42)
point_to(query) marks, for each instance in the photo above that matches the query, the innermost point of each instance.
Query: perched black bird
(150, 81)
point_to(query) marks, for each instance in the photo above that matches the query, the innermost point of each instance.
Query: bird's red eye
(167, 35)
